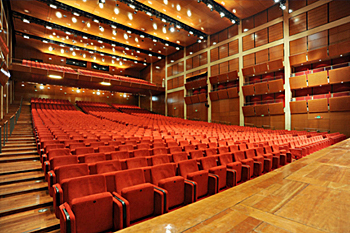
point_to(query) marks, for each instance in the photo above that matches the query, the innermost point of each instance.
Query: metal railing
(8, 128)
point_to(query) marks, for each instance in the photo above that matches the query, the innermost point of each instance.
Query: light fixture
(74, 20)
(290, 11)
(177, 48)
(58, 14)
(62, 50)
(126, 36)
(130, 16)
(116, 10)
(222, 14)
(178, 7)
(88, 24)
(172, 29)
(26, 37)
(48, 27)
(45, 41)
(101, 28)
(105, 84)
(53, 6)
(233, 21)
(55, 76)
(189, 13)
(50, 48)
(41, 87)
(76, 14)
(96, 21)
(25, 20)
(67, 32)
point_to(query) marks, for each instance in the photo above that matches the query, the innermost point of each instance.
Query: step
(21, 177)
(6, 149)
(13, 145)
(28, 201)
(22, 187)
(19, 158)
(36, 220)
(25, 166)
(15, 153)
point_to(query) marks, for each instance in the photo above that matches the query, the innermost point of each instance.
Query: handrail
(13, 122)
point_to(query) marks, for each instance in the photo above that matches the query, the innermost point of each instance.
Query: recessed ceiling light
(48, 27)
(126, 36)
(116, 10)
(26, 21)
(74, 53)
(50, 48)
(101, 5)
(26, 11)
(130, 16)
(155, 26)
(62, 50)
(101, 28)
(165, 2)
(164, 30)
(74, 20)
(189, 13)
(58, 14)
(53, 6)
(178, 7)
(136, 40)
(234, 11)
(114, 32)
(88, 24)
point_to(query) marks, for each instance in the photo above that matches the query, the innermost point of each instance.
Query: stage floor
(308, 195)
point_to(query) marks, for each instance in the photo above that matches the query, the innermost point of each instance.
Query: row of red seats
(49, 101)
(47, 66)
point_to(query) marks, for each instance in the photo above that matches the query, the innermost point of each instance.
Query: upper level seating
(87, 106)
(48, 66)
(39, 103)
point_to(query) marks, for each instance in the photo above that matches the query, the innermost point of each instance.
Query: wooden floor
(309, 195)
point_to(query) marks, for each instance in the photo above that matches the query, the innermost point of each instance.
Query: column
(2, 102)
(208, 80)
(240, 75)
(287, 70)
(166, 86)
(185, 73)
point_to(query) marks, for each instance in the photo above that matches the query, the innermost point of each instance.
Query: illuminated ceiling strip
(82, 34)
(152, 12)
(220, 9)
(76, 47)
(68, 8)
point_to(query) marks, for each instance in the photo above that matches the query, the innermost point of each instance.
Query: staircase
(25, 205)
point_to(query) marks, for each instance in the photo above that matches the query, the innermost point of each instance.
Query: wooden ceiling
(158, 39)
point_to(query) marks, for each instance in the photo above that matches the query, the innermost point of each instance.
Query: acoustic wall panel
(261, 88)
(248, 90)
(276, 109)
(232, 92)
(317, 79)
(275, 85)
(298, 107)
(213, 95)
(318, 105)
(248, 111)
(262, 109)
(339, 75)
(339, 104)
(222, 94)
(297, 82)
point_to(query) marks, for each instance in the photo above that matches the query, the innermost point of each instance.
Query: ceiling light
(76, 14)
(41, 87)
(74, 53)
(116, 10)
(155, 26)
(132, 6)
(144, 64)
(53, 6)
(96, 21)
(120, 63)
(245, 29)
(84, 55)
(142, 36)
(101, 5)
(54, 77)
(62, 50)
(48, 27)
(94, 58)
(26, 21)
(290, 11)
(68, 33)
(233, 21)
(26, 37)
(210, 6)
(45, 41)
(178, 7)
(128, 31)
(283, 7)
(50, 48)
(164, 20)
(199, 41)
(100, 41)
(159, 57)
(113, 61)
(189, 13)
(135, 62)
(177, 48)
(58, 14)
(88, 24)
(222, 14)
(154, 40)
(126, 36)
(164, 30)
(85, 37)
(150, 55)
(62, 45)
(74, 20)
(276, 1)
(165, 2)
(149, 13)
(130, 16)
(101, 29)
(113, 45)
(172, 29)
(98, 93)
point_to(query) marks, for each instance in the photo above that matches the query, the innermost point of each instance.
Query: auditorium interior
(175, 116)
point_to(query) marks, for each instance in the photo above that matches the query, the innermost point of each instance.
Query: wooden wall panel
(233, 47)
(339, 75)
(213, 95)
(317, 54)
(233, 31)
(260, 19)
(276, 32)
(261, 37)
(276, 52)
(261, 88)
(248, 23)
(298, 46)
(248, 42)
(339, 49)
(275, 65)
(249, 60)
(317, 16)
(203, 59)
(276, 109)
(223, 67)
(214, 70)
(318, 105)
(176, 104)
(297, 59)
(339, 33)
(189, 64)
(232, 92)
(339, 104)
(262, 56)
(222, 35)
(298, 107)
(248, 90)
(261, 68)
(170, 84)
(297, 82)
(195, 61)
(214, 54)
(274, 12)
(296, 4)
(233, 64)
(316, 79)
(197, 111)
(248, 110)
(297, 24)
(338, 9)
(275, 86)
(223, 94)
(223, 51)
(262, 109)
(317, 40)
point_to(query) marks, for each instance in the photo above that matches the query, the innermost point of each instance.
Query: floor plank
(22, 187)
(7, 168)
(19, 177)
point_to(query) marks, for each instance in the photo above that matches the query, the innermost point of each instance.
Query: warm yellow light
(55, 76)
(105, 83)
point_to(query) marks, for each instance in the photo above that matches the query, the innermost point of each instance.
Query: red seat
(258, 166)
(205, 183)
(53, 153)
(84, 150)
(259, 151)
(179, 191)
(107, 166)
(137, 199)
(88, 206)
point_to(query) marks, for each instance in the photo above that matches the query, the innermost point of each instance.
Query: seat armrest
(57, 198)
(160, 200)
(51, 180)
(121, 211)
(213, 184)
(46, 166)
(245, 172)
(231, 178)
(190, 191)
(67, 219)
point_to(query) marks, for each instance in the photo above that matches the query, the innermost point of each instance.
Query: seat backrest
(83, 186)
(76, 145)
(188, 166)
(159, 159)
(58, 152)
(212, 145)
(160, 151)
(267, 149)
(242, 146)
(208, 162)
(259, 151)
(223, 150)
(143, 146)
(84, 150)
(126, 147)
(233, 148)
(239, 156)
(141, 153)
(179, 156)
(250, 153)
(106, 148)
(162, 171)
(63, 160)
(71, 171)
(127, 178)
(92, 158)
(172, 144)
(190, 147)
(158, 145)
(114, 143)
(276, 148)
(195, 154)
(108, 166)
(120, 155)
(136, 162)
(211, 151)
(96, 144)
(175, 149)
(225, 159)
